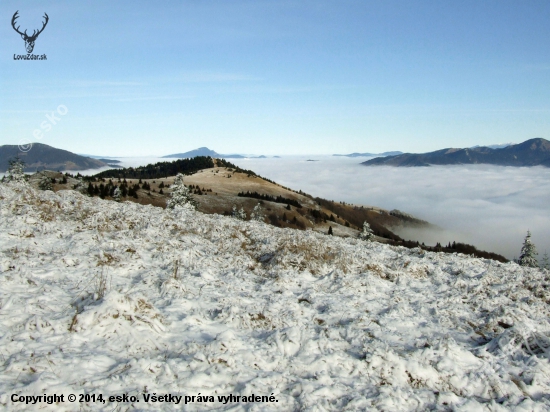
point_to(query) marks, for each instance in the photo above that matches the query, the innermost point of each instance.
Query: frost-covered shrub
(45, 183)
(81, 187)
(238, 214)
(367, 233)
(180, 195)
(545, 264)
(257, 214)
(116, 194)
(528, 253)
(15, 172)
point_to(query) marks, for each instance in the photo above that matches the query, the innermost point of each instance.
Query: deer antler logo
(29, 40)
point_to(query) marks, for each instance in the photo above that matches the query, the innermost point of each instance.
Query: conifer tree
(180, 195)
(257, 213)
(366, 234)
(238, 214)
(545, 264)
(45, 182)
(528, 253)
(330, 230)
(15, 172)
(116, 194)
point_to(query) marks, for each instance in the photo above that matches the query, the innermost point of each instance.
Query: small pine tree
(257, 213)
(545, 264)
(528, 253)
(180, 194)
(45, 183)
(330, 230)
(16, 171)
(116, 194)
(238, 214)
(367, 233)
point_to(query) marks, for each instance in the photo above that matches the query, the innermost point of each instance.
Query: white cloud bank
(490, 207)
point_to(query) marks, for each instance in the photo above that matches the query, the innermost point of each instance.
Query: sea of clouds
(491, 207)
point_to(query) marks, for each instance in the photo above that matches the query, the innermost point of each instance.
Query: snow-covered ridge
(105, 297)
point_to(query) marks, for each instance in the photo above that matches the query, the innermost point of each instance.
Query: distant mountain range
(370, 154)
(205, 151)
(533, 152)
(42, 157)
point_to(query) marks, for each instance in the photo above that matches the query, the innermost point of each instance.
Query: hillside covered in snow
(100, 297)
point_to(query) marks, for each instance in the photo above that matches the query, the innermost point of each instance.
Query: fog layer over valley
(490, 207)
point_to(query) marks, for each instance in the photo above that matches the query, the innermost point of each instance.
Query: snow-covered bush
(238, 214)
(81, 187)
(116, 194)
(45, 183)
(528, 253)
(15, 172)
(257, 214)
(545, 264)
(367, 233)
(180, 194)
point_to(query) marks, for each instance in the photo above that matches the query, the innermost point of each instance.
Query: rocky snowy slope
(99, 297)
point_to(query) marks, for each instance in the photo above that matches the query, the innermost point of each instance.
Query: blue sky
(277, 77)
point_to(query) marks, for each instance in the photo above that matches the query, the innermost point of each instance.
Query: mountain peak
(201, 151)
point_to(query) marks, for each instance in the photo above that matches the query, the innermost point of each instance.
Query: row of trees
(161, 169)
(269, 198)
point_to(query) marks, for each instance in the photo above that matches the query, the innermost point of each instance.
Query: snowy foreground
(99, 297)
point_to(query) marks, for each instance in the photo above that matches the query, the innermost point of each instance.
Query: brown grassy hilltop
(216, 191)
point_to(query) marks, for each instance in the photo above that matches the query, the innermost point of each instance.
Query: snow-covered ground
(99, 297)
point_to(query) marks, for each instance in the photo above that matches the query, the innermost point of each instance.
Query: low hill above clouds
(533, 152)
(370, 154)
(203, 151)
(44, 157)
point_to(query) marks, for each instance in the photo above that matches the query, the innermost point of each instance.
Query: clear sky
(277, 77)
